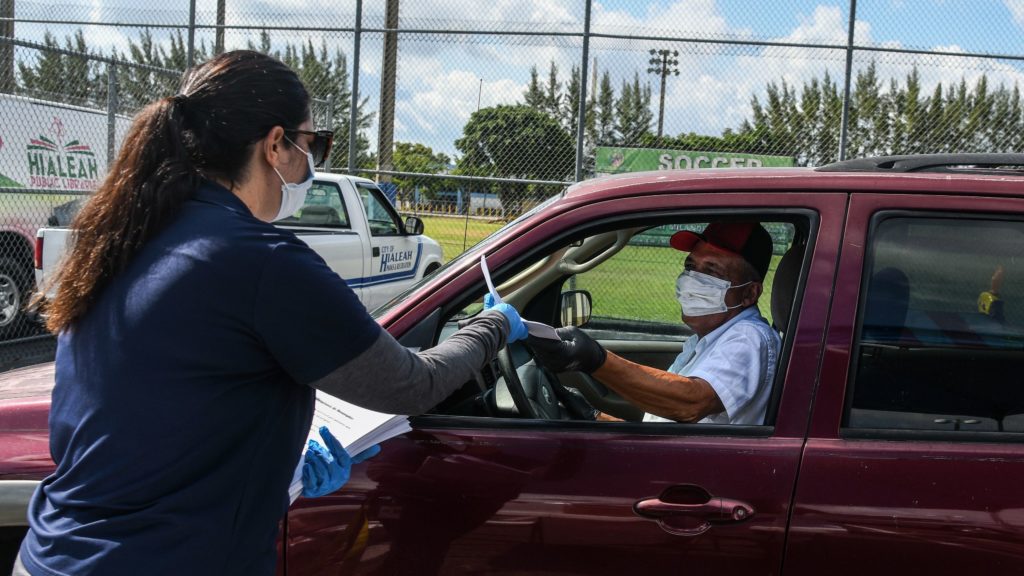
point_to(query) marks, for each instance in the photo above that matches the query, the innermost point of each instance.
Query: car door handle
(376, 252)
(712, 510)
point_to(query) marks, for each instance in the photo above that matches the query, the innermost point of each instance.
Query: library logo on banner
(59, 161)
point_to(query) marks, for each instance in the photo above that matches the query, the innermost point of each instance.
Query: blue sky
(439, 83)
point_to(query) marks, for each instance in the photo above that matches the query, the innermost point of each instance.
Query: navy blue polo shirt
(182, 403)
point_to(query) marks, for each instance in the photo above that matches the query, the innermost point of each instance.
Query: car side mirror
(576, 307)
(413, 226)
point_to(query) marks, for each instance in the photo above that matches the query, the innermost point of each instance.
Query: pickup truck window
(941, 336)
(381, 216)
(323, 208)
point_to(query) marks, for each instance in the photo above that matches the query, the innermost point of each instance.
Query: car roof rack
(950, 163)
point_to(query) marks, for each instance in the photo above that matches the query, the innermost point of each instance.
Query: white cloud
(436, 113)
(490, 11)
(825, 25)
(681, 17)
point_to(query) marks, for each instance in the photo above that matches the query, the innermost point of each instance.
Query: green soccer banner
(612, 160)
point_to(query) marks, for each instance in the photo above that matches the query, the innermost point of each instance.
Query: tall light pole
(663, 63)
(218, 35)
(386, 134)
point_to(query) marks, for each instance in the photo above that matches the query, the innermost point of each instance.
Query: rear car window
(940, 343)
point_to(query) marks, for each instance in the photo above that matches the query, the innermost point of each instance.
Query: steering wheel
(536, 391)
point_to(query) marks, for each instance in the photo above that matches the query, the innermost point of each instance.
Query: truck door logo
(54, 162)
(392, 260)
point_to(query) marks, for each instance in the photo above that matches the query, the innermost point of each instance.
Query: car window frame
(811, 220)
(376, 193)
(905, 435)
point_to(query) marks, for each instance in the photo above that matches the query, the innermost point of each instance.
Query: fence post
(354, 107)
(465, 223)
(191, 33)
(844, 122)
(329, 123)
(581, 114)
(111, 112)
(7, 83)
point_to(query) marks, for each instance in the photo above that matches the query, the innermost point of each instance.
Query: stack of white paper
(356, 428)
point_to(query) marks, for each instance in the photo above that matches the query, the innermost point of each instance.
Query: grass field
(637, 283)
(457, 234)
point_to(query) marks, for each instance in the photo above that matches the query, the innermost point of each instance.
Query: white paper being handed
(541, 330)
(538, 329)
(487, 279)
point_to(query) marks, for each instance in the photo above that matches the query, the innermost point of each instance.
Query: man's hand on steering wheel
(574, 352)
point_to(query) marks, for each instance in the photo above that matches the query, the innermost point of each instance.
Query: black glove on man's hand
(575, 352)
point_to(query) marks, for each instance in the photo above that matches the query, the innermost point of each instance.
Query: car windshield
(472, 253)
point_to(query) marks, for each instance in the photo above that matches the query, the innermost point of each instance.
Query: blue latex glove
(327, 469)
(517, 330)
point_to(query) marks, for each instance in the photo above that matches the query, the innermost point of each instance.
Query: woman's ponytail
(153, 175)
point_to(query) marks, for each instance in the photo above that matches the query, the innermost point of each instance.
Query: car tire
(431, 269)
(15, 286)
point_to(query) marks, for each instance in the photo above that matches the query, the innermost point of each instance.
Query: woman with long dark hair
(192, 334)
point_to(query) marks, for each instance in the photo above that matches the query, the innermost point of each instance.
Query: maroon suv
(894, 435)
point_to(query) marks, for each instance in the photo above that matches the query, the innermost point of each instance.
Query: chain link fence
(468, 113)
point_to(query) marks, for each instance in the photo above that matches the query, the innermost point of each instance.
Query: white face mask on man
(293, 195)
(700, 294)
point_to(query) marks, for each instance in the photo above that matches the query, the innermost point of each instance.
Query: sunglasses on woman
(319, 146)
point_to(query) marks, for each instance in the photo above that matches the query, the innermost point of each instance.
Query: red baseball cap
(748, 240)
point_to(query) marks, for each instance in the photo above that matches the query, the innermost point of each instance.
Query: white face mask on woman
(701, 294)
(293, 195)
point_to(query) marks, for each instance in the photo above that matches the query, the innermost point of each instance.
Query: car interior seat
(787, 276)
(319, 216)
(880, 390)
(885, 311)
(784, 286)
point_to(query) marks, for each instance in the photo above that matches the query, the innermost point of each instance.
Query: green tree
(895, 120)
(64, 78)
(515, 142)
(633, 111)
(552, 103)
(534, 95)
(138, 87)
(421, 159)
(604, 114)
(327, 80)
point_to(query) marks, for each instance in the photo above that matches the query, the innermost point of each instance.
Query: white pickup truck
(347, 220)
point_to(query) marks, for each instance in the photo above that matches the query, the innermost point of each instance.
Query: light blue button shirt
(738, 359)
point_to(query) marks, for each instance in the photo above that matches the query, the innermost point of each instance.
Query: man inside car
(725, 371)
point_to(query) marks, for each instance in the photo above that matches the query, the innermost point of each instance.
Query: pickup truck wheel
(15, 281)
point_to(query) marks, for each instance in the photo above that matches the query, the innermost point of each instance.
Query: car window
(382, 218)
(323, 208)
(941, 327)
(634, 291)
(629, 274)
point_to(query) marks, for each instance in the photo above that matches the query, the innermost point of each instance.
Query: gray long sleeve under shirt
(387, 377)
